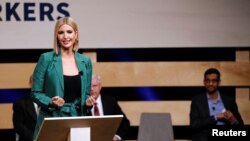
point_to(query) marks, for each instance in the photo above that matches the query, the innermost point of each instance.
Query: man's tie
(96, 110)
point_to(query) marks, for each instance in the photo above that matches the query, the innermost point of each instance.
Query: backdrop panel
(28, 24)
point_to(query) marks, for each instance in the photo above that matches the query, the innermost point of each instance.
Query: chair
(155, 127)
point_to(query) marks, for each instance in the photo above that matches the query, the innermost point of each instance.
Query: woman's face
(66, 36)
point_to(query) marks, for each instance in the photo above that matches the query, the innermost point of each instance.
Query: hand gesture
(230, 117)
(57, 101)
(90, 101)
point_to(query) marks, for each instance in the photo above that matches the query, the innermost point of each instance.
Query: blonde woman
(62, 77)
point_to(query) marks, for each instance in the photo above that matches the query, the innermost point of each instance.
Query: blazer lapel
(225, 101)
(80, 64)
(106, 105)
(57, 62)
(205, 104)
(82, 68)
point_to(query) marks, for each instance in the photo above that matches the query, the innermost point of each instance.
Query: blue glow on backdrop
(147, 93)
(11, 95)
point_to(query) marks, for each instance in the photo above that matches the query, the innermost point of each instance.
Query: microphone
(80, 72)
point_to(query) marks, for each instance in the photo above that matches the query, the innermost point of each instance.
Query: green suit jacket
(48, 82)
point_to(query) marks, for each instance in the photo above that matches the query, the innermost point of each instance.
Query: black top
(72, 88)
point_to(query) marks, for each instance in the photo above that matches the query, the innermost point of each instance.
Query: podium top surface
(82, 117)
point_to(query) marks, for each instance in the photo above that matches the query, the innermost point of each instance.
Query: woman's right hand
(57, 101)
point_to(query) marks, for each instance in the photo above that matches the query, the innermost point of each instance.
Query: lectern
(84, 128)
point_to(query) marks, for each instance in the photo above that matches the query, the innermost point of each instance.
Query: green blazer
(48, 82)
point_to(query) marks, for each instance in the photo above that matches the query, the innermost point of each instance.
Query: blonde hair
(69, 21)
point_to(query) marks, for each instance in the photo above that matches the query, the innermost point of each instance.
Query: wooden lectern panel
(102, 128)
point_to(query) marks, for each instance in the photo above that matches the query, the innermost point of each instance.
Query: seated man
(24, 117)
(212, 108)
(107, 105)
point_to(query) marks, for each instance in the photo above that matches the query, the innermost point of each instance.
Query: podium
(84, 128)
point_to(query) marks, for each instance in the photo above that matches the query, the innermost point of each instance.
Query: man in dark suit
(212, 108)
(24, 117)
(108, 105)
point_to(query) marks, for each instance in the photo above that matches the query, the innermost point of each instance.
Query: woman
(62, 77)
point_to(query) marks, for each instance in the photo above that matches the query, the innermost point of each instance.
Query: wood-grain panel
(6, 116)
(15, 75)
(134, 74)
(171, 73)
